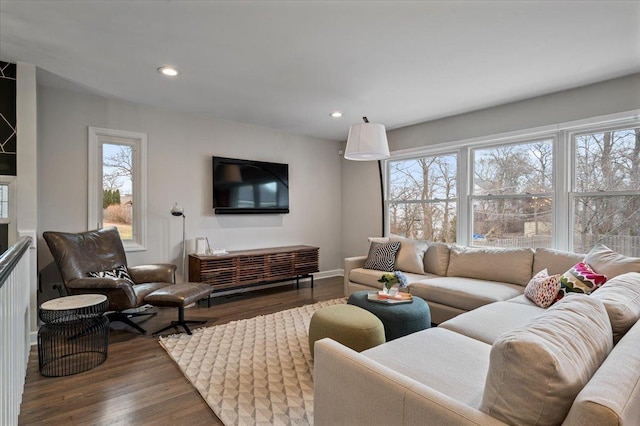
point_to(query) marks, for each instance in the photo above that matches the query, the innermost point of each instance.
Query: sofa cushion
(494, 264)
(543, 289)
(463, 293)
(382, 256)
(580, 279)
(537, 370)
(436, 259)
(410, 256)
(555, 261)
(370, 277)
(621, 298)
(488, 322)
(606, 261)
(522, 299)
(440, 350)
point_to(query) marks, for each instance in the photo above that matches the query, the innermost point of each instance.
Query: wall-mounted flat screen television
(245, 186)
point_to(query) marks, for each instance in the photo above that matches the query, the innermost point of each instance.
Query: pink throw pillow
(543, 289)
(581, 278)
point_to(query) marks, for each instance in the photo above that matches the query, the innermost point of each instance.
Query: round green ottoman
(399, 320)
(349, 325)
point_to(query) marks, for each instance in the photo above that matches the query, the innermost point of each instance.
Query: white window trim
(12, 232)
(387, 179)
(562, 135)
(94, 219)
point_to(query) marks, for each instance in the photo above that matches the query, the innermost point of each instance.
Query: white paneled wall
(14, 328)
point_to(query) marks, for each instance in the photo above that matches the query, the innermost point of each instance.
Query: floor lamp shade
(367, 142)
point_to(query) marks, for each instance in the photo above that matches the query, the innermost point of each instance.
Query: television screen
(245, 186)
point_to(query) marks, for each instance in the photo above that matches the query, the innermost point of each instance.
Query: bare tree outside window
(512, 195)
(422, 198)
(117, 188)
(606, 196)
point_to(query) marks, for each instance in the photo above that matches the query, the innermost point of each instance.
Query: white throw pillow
(410, 258)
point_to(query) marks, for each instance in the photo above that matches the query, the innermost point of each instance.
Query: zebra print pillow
(119, 273)
(382, 256)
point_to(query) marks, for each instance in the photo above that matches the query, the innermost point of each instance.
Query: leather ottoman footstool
(178, 296)
(399, 320)
(349, 325)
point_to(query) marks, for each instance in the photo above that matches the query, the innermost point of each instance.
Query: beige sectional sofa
(455, 279)
(496, 358)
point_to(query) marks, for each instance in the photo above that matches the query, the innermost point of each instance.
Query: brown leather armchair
(76, 255)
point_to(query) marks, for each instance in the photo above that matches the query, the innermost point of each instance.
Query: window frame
(572, 192)
(138, 141)
(472, 197)
(386, 184)
(563, 151)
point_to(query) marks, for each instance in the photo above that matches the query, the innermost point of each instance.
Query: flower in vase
(391, 279)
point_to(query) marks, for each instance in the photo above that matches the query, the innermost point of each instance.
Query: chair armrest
(159, 272)
(349, 264)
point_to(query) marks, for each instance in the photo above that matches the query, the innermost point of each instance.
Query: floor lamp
(178, 210)
(368, 142)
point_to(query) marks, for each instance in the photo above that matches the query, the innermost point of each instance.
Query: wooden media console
(247, 268)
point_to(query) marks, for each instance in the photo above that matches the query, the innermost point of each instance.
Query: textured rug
(256, 371)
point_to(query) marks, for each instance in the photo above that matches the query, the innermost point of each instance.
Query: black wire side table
(75, 334)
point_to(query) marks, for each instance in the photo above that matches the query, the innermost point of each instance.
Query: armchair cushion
(120, 292)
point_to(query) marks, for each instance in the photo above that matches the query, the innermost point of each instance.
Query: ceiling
(287, 64)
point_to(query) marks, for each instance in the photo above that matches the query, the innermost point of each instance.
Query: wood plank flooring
(139, 384)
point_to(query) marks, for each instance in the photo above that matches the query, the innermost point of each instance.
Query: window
(605, 190)
(422, 197)
(567, 186)
(512, 195)
(4, 203)
(117, 184)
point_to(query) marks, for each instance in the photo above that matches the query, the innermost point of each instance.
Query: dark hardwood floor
(139, 384)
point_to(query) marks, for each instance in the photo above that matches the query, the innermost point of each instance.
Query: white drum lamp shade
(367, 142)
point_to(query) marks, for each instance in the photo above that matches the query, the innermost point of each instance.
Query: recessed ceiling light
(336, 114)
(168, 71)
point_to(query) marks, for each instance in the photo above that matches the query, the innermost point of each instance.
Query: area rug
(257, 371)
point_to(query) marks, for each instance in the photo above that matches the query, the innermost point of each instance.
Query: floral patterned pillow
(543, 289)
(581, 278)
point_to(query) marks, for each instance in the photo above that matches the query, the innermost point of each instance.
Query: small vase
(390, 291)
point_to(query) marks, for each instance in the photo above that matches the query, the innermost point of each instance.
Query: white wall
(361, 199)
(180, 147)
(26, 182)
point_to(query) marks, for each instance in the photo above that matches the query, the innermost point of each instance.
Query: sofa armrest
(160, 272)
(349, 264)
(350, 388)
